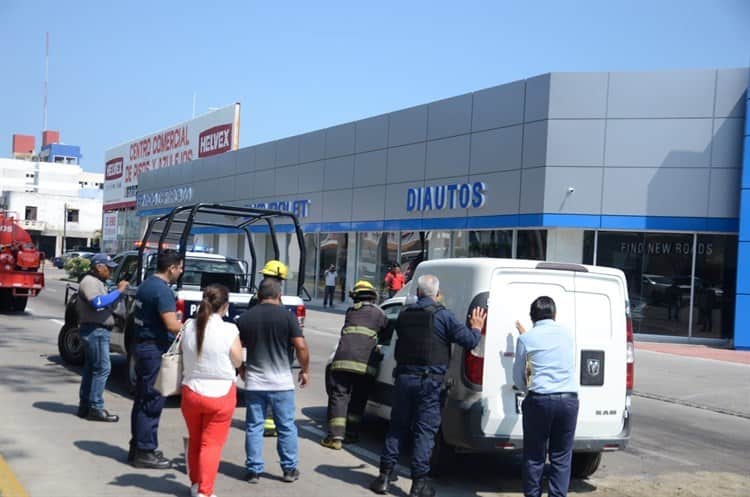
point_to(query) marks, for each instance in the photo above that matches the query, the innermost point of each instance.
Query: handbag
(169, 379)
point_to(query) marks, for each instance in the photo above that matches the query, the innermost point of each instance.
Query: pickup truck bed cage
(176, 228)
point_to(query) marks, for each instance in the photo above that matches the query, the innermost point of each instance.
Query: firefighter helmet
(363, 289)
(276, 269)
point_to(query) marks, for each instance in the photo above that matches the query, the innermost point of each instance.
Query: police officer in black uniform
(426, 331)
(354, 366)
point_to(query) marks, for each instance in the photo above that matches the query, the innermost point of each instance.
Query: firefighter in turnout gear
(354, 366)
(272, 269)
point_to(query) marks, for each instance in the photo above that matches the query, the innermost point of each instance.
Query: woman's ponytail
(214, 298)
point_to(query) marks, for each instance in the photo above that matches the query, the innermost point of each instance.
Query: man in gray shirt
(94, 306)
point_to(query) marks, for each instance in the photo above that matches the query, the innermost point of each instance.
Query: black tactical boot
(94, 414)
(380, 484)
(421, 487)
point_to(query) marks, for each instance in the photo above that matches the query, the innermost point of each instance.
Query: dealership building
(641, 171)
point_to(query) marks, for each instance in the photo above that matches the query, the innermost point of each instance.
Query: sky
(120, 70)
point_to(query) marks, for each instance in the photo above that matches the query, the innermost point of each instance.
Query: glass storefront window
(413, 251)
(715, 281)
(438, 244)
(333, 247)
(532, 244)
(495, 243)
(588, 247)
(377, 251)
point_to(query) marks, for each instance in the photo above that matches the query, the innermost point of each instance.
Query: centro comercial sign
(205, 136)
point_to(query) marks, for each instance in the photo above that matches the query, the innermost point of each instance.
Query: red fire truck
(20, 276)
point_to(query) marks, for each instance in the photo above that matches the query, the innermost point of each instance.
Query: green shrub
(77, 267)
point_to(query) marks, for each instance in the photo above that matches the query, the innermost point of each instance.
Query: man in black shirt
(268, 331)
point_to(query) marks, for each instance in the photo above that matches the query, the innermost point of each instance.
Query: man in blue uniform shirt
(426, 331)
(156, 323)
(550, 408)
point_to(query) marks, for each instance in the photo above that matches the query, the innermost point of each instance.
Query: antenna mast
(46, 76)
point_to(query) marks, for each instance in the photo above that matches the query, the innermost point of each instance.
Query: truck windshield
(195, 269)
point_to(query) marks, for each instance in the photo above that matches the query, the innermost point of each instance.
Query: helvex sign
(215, 140)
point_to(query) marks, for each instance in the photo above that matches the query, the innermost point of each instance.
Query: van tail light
(630, 353)
(180, 308)
(474, 361)
(301, 313)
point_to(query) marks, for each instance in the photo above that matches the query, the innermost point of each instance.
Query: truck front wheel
(585, 464)
(18, 304)
(70, 346)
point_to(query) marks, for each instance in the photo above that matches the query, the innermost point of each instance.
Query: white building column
(565, 245)
(351, 264)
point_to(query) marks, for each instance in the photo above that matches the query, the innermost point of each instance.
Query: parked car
(60, 260)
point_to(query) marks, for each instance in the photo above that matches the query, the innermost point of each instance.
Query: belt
(561, 395)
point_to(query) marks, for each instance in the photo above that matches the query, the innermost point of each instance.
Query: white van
(481, 411)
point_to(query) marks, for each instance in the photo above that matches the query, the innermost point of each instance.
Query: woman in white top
(211, 351)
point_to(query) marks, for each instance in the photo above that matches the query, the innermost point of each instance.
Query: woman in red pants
(211, 351)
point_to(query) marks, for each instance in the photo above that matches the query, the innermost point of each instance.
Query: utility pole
(65, 227)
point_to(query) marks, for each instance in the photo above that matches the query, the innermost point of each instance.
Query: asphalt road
(675, 449)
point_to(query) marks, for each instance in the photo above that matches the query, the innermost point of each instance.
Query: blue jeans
(415, 415)
(282, 405)
(96, 366)
(549, 424)
(148, 402)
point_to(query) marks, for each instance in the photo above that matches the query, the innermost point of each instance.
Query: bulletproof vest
(417, 344)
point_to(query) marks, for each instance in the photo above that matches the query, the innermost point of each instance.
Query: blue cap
(103, 259)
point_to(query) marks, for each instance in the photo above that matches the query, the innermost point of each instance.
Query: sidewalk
(694, 375)
(701, 351)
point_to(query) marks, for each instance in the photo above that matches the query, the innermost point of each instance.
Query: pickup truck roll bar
(177, 226)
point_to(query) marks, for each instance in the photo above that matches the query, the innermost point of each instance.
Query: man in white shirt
(330, 277)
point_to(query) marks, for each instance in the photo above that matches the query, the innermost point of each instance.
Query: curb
(687, 403)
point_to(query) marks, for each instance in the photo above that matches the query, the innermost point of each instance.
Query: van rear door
(512, 291)
(601, 354)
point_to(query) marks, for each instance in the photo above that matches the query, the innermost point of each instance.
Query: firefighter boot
(269, 428)
(331, 443)
(421, 487)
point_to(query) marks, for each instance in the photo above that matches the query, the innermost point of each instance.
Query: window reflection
(532, 244)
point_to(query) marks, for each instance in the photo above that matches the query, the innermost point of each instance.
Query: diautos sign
(171, 196)
(451, 196)
(205, 136)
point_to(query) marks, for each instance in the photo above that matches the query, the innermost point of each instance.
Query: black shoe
(132, 450)
(351, 438)
(421, 487)
(101, 415)
(83, 411)
(380, 484)
(291, 475)
(149, 460)
(252, 477)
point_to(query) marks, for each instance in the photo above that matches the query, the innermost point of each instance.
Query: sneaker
(331, 443)
(194, 490)
(150, 460)
(252, 477)
(157, 452)
(291, 475)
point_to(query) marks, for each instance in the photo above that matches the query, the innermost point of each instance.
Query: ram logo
(593, 366)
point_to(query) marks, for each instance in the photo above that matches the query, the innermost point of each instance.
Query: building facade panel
(312, 146)
(310, 176)
(498, 106)
(406, 163)
(340, 140)
(575, 142)
(496, 150)
(370, 168)
(665, 94)
(648, 191)
(724, 199)
(578, 95)
(339, 173)
(727, 142)
(573, 190)
(407, 126)
(658, 142)
(449, 117)
(448, 157)
(372, 133)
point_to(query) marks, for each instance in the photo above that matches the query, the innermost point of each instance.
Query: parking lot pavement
(675, 451)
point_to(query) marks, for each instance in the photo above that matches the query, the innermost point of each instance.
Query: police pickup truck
(200, 269)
